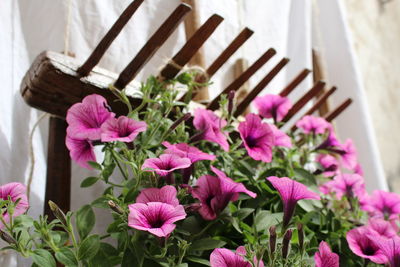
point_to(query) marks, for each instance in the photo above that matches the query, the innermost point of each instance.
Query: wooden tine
(152, 45)
(105, 43)
(240, 39)
(337, 111)
(318, 103)
(236, 84)
(259, 87)
(191, 47)
(318, 86)
(295, 82)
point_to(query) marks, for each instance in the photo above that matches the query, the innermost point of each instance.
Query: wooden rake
(55, 81)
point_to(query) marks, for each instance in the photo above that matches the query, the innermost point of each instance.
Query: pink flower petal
(122, 129)
(211, 125)
(85, 119)
(80, 150)
(258, 138)
(166, 194)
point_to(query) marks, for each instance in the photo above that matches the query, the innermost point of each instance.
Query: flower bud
(286, 242)
(115, 207)
(272, 239)
(300, 233)
(6, 237)
(58, 213)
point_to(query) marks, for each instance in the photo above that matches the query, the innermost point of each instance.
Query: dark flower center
(251, 141)
(369, 250)
(157, 222)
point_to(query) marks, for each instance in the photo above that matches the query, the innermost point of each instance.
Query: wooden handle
(58, 178)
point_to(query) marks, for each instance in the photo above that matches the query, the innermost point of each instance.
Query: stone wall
(376, 35)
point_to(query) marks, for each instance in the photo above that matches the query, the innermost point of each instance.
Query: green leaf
(107, 256)
(89, 181)
(89, 247)
(66, 257)
(132, 259)
(43, 258)
(24, 221)
(95, 165)
(305, 176)
(85, 220)
(243, 213)
(198, 260)
(265, 219)
(101, 203)
(207, 244)
(108, 170)
(130, 196)
(182, 265)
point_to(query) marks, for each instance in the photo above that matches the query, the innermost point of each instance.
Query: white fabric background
(28, 27)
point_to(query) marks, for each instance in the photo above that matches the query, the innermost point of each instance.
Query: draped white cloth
(28, 27)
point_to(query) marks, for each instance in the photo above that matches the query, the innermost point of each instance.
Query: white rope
(32, 154)
(32, 132)
(67, 28)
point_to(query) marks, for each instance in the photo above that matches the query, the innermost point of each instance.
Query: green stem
(204, 229)
(113, 153)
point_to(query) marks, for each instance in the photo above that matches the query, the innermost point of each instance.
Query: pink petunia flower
(364, 246)
(14, 191)
(80, 150)
(291, 192)
(273, 106)
(350, 185)
(324, 257)
(330, 142)
(122, 129)
(155, 217)
(383, 204)
(257, 137)
(165, 194)
(85, 119)
(183, 150)
(381, 227)
(329, 164)
(222, 257)
(165, 164)
(312, 124)
(390, 247)
(358, 169)
(215, 193)
(348, 155)
(281, 139)
(211, 127)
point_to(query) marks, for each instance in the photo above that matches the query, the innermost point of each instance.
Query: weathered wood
(260, 86)
(320, 101)
(237, 83)
(53, 85)
(319, 73)
(337, 111)
(295, 82)
(303, 101)
(191, 47)
(243, 36)
(240, 66)
(105, 43)
(152, 45)
(58, 178)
